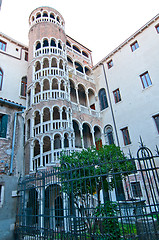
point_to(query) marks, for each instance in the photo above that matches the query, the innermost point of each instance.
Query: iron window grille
(136, 189)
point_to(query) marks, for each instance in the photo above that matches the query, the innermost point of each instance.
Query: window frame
(1, 79)
(3, 125)
(110, 64)
(103, 99)
(136, 189)
(23, 86)
(3, 45)
(1, 194)
(156, 123)
(134, 46)
(117, 95)
(145, 79)
(157, 28)
(108, 131)
(126, 136)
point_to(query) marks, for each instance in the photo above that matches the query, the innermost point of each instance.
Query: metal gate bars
(102, 198)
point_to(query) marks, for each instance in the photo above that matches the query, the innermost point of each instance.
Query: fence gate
(109, 199)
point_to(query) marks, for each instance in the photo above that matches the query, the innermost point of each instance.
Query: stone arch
(64, 114)
(46, 85)
(61, 64)
(45, 63)
(97, 136)
(37, 45)
(53, 42)
(54, 83)
(76, 128)
(56, 113)
(37, 118)
(57, 141)
(91, 96)
(82, 95)
(46, 114)
(37, 66)
(108, 134)
(46, 144)
(54, 62)
(66, 141)
(37, 88)
(73, 95)
(87, 135)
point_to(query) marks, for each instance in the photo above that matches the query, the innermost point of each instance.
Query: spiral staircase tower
(48, 118)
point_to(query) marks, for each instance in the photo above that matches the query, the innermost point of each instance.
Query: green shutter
(3, 127)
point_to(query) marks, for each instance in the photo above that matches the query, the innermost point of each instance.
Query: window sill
(23, 97)
(144, 89)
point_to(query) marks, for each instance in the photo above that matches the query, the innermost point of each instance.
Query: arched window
(45, 14)
(102, 99)
(38, 15)
(52, 15)
(38, 45)
(45, 43)
(108, 134)
(53, 43)
(68, 44)
(1, 79)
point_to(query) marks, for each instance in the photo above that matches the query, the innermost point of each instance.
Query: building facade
(13, 77)
(71, 104)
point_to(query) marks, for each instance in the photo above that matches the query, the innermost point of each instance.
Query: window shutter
(4, 122)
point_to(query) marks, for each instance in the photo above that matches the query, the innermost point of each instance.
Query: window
(102, 99)
(1, 79)
(23, 86)
(110, 64)
(126, 136)
(117, 96)
(26, 56)
(134, 46)
(1, 195)
(108, 133)
(157, 28)
(145, 79)
(156, 118)
(3, 45)
(136, 189)
(3, 125)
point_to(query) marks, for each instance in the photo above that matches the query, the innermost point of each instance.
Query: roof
(11, 103)
(127, 40)
(13, 40)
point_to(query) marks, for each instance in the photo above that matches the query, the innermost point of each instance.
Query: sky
(100, 25)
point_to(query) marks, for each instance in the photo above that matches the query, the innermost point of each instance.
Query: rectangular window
(3, 45)
(136, 189)
(1, 195)
(110, 64)
(145, 79)
(26, 56)
(117, 96)
(126, 136)
(156, 118)
(134, 46)
(23, 86)
(157, 28)
(3, 125)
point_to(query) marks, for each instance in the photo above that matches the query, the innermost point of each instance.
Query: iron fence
(93, 201)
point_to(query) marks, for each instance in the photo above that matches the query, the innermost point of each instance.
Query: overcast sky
(99, 25)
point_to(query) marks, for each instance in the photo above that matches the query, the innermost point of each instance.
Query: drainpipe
(107, 87)
(13, 139)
